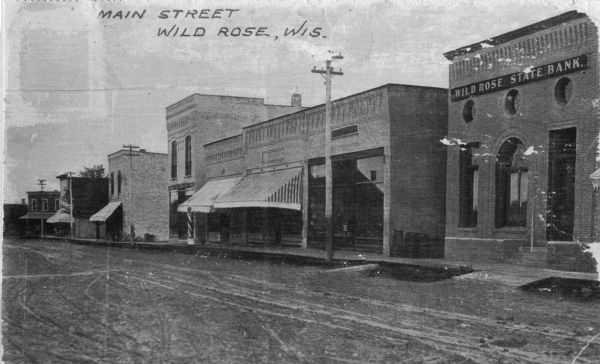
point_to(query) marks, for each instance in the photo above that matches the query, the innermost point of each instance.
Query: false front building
(138, 203)
(195, 121)
(80, 198)
(267, 184)
(523, 129)
(41, 205)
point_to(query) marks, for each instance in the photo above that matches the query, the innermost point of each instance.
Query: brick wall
(538, 113)
(208, 118)
(148, 205)
(418, 167)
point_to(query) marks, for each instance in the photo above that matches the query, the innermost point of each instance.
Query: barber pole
(190, 231)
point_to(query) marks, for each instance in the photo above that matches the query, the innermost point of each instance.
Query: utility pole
(70, 201)
(131, 147)
(327, 73)
(42, 183)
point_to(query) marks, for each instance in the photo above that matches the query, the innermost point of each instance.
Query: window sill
(512, 229)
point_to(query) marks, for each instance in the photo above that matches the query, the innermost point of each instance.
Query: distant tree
(96, 171)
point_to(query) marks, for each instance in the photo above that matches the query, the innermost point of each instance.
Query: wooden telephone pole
(327, 73)
(42, 184)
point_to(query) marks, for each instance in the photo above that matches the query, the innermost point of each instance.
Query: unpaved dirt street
(72, 303)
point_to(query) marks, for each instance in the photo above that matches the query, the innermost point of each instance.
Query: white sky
(77, 87)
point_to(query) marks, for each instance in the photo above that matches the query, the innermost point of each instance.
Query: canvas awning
(279, 189)
(36, 215)
(105, 212)
(202, 201)
(60, 217)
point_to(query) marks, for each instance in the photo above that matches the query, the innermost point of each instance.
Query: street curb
(284, 257)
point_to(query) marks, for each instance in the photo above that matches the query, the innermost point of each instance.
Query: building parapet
(522, 48)
(312, 120)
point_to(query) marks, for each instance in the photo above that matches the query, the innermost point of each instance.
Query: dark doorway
(561, 184)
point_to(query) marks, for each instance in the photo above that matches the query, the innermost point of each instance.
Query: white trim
(280, 205)
(478, 239)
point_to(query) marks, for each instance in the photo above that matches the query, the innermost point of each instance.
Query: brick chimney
(296, 99)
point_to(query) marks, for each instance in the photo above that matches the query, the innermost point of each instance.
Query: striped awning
(202, 201)
(105, 212)
(60, 217)
(36, 215)
(280, 189)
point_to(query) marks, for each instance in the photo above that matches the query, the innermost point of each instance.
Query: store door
(561, 185)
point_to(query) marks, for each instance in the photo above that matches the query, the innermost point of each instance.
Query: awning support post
(190, 230)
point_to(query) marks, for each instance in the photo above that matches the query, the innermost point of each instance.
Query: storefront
(387, 182)
(357, 201)
(523, 141)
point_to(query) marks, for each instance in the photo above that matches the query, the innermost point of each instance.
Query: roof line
(222, 140)
(517, 33)
(387, 85)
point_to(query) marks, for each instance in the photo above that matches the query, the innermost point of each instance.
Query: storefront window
(357, 199)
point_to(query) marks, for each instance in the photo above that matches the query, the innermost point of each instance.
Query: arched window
(511, 184)
(119, 178)
(188, 155)
(174, 159)
(112, 183)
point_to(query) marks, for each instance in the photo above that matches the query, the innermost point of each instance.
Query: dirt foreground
(75, 303)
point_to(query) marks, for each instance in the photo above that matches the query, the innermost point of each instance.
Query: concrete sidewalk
(510, 274)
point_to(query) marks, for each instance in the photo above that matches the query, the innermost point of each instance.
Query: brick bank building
(524, 126)
(266, 186)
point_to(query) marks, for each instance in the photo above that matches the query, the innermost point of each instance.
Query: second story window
(112, 183)
(34, 205)
(44, 204)
(188, 155)
(119, 178)
(56, 204)
(174, 159)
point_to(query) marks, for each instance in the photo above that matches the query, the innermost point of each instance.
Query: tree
(96, 171)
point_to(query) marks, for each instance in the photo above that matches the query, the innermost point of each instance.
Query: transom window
(511, 103)
(563, 90)
(469, 111)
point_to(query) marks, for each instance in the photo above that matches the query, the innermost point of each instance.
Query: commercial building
(80, 198)
(138, 202)
(41, 205)
(266, 185)
(523, 128)
(197, 120)
(13, 224)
